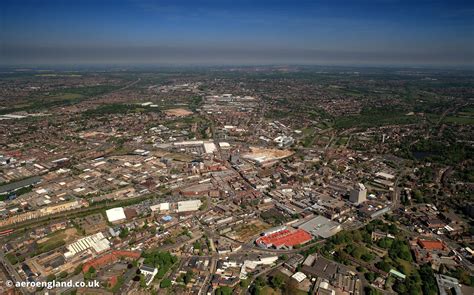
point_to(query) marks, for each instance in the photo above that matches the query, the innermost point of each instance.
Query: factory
(97, 242)
(187, 206)
(115, 215)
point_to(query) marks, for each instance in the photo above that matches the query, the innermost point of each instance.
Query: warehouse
(115, 214)
(319, 226)
(191, 205)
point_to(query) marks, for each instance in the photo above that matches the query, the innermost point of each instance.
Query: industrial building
(284, 239)
(162, 207)
(96, 242)
(187, 206)
(115, 214)
(319, 226)
(11, 187)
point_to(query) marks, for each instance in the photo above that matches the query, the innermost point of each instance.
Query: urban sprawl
(245, 180)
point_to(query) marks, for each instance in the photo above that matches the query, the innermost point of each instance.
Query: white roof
(299, 276)
(224, 144)
(115, 214)
(97, 242)
(160, 207)
(384, 175)
(191, 142)
(191, 205)
(209, 147)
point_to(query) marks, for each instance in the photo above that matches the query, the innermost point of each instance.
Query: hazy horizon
(131, 32)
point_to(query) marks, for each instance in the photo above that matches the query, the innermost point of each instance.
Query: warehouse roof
(285, 238)
(115, 214)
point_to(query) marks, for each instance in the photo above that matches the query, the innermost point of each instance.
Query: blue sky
(237, 32)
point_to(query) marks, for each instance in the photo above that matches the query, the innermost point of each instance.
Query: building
(448, 285)
(110, 257)
(299, 277)
(431, 245)
(149, 273)
(115, 215)
(319, 226)
(285, 239)
(325, 289)
(97, 242)
(250, 265)
(187, 206)
(11, 187)
(284, 141)
(359, 194)
(162, 207)
(429, 250)
(294, 261)
(384, 175)
(397, 274)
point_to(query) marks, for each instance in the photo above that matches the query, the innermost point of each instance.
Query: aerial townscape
(236, 147)
(242, 180)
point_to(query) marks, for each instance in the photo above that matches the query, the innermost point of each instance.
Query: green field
(374, 118)
(464, 116)
(62, 96)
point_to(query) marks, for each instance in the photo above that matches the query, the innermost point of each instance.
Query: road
(12, 273)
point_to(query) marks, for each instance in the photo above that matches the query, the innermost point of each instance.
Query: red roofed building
(284, 239)
(427, 250)
(431, 245)
(109, 258)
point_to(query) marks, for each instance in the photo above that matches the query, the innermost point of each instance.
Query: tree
(62, 275)
(162, 260)
(197, 245)
(367, 257)
(50, 278)
(400, 288)
(385, 243)
(371, 291)
(383, 265)
(123, 233)
(283, 257)
(428, 280)
(244, 284)
(257, 287)
(142, 281)
(370, 276)
(399, 249)
(224, 291)
(91, 272)
(277, 282)
(188, 276)
(165, 283)
(78, 269)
